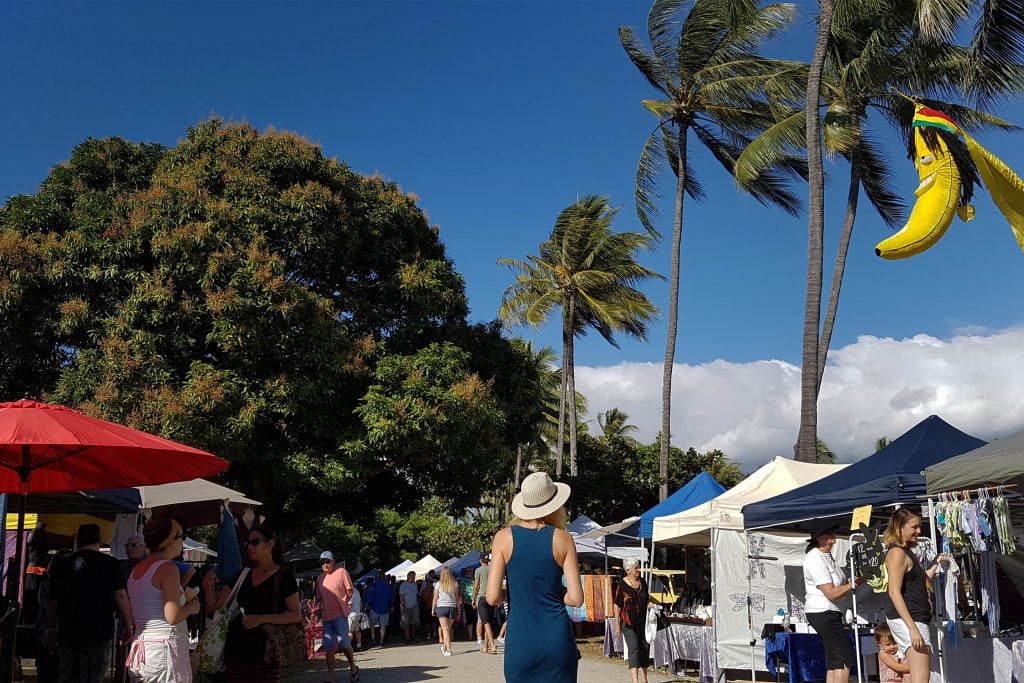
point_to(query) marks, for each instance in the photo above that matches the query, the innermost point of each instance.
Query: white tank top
(148, 602)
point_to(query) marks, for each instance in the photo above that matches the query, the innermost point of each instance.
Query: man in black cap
(87, 588)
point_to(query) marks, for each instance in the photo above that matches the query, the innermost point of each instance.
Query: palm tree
(823, 455)
(706, 68)
(873, 51)
(615, 425)
(881, 442)
(591, 274)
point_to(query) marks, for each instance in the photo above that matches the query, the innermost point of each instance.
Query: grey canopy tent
(999, 462)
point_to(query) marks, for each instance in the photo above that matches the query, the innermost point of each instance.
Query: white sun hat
(539, 497)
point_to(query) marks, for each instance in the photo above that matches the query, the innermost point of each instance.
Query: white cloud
(873, 387)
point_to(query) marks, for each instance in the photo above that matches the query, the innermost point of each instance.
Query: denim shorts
(336, 634)
(445, 612)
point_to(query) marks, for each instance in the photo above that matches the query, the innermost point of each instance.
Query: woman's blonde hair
(558, 519)
(447, 581)
(899, 519)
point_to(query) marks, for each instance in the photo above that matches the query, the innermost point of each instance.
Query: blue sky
(497, 115)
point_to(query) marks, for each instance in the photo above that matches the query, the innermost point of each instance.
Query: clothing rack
(996, 488)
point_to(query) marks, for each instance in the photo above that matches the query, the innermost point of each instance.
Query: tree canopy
(246, 294)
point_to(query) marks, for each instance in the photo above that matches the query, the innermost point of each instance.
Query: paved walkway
(424, 662)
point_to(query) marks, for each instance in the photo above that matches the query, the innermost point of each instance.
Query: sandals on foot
(354, 676)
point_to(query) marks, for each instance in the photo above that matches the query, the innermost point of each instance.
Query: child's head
(884, 639)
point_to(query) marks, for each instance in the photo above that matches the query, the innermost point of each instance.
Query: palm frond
(876, 178)
(840, 129)
(670, 145)
(703, 30)
(768, 149)
(937, 20)
(769, 188)
(663, 25)
(648, 66)
(648, 176)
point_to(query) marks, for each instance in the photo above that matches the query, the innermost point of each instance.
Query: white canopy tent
(587, 545)
(400, 570)
(195, 502)
(765, 566)
(779, 475)
(421, 566)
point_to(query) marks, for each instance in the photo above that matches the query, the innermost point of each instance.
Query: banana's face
(937, 193)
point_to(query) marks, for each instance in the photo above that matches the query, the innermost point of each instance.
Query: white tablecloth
(1018, 661)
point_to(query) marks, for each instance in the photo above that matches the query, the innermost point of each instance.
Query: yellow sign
(861, 515)
(12, 521)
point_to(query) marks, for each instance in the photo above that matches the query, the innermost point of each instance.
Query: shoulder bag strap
(277, 589)
(238, 584)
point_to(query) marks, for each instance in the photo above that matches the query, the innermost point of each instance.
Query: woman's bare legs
(446, 632)
(920, 665)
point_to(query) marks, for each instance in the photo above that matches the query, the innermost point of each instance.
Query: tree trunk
(570, 363)
(673, 321)
(519, 465)
(840, 267)
(566, 337)
(808, 434)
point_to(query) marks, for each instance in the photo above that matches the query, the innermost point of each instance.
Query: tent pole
(652, 552)
(750, 614)
(938, 617)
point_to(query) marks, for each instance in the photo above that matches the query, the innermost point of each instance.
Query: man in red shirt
(334, 591)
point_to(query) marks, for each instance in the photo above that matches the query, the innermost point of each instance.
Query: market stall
(891, 477)
(718, 525)
(981, 484)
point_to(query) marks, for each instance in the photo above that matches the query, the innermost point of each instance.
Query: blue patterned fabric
(802, 652)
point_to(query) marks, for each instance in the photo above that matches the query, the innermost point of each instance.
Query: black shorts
(483, 611)
(829, 626)
(468, 613)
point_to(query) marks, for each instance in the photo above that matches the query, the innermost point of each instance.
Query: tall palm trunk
(570, 362)
(566, 341)
(673, 322)
(808, 434)
(839, 268)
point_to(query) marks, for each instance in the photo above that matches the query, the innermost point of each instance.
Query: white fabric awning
(194, 491)
(422, 566)
(779, 475)
(601, 532)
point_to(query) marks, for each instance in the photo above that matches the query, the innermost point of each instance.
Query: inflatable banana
(949, 163)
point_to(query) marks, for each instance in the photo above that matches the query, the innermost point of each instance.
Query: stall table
(689, 642)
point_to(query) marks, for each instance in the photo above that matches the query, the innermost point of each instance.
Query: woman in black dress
(268, 595)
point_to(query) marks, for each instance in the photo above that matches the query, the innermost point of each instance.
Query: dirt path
(424, 662)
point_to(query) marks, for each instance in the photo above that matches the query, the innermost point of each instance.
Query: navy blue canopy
(893, 475)
(700, 489)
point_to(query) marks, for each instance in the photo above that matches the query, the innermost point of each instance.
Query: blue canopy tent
(698, 490)
(470, 560)
(891, 476)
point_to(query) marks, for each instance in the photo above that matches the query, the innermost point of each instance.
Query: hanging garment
(1005, 529)
(945, 589)
(989, 591)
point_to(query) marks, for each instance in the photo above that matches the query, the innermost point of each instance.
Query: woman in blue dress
(537, 552)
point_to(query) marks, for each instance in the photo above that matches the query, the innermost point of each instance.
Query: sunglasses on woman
(253, 542)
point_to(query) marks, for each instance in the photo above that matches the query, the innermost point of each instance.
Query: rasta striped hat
(933, 118)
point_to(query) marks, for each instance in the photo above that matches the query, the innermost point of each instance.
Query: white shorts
(901, 634)
(160, 656)
(354, 621)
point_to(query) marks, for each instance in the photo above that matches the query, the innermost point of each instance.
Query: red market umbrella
(48, 448)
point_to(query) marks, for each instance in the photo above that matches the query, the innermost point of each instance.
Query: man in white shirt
(408, 596)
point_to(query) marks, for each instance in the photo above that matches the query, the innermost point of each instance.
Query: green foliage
(824, 454)
(243, 293)
(430, 529)
(619, 477)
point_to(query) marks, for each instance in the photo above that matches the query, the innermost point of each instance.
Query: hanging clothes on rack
(989, 591)
(945, 589)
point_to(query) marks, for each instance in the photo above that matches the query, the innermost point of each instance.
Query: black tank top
(914, 592)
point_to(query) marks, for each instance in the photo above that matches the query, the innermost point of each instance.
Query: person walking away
(380, 598)
(269, 594)
(446, 607)
(502, 613)
(86, 589)
(630, 602)
(334, 591)
(355, 619)
(909, 610)
(159, 652)
(46, 657)
(408, 600)
(484, 627)
(468, 608)
(824, 585)
(427, 620)
(537, 553)
(890, 666)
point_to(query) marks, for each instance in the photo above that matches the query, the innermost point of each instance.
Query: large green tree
(245, 293)
(591, 275)
(705, 66)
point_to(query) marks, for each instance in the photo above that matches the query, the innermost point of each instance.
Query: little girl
(890, 669)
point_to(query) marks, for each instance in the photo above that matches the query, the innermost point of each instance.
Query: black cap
(820, 527)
